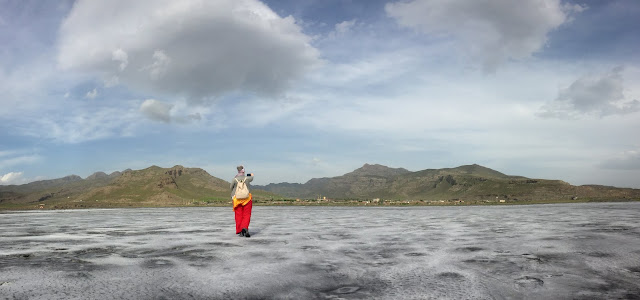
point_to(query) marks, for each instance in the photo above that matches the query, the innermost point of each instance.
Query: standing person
(242, 201)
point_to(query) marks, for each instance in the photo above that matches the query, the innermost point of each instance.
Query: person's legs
(239, 216)
(246, 215)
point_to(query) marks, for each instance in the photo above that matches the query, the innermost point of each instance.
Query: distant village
(323, 200)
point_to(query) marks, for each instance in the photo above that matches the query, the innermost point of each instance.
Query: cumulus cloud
(344, 27)
(191, 48)
(156, 110)
(12, 178)
(629, 160)
(159, 66)
(120, 56)
(600, 95)
(492, 30)
(91, 94)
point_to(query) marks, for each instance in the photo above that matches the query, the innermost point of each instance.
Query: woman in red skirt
(242, 201)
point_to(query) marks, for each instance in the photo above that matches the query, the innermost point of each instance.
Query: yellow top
(241, 202)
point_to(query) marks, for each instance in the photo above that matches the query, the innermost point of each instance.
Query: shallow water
(565, 251)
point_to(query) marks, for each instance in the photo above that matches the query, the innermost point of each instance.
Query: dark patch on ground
(552, 238)
(305, 248)
(632, 296)
(532, 257)
(414, 254)
(551, 257)
(480, 260)
(598, 254)
(95, 252)
(612, 229)
(450, 275)
(469, 249)
(529, 282)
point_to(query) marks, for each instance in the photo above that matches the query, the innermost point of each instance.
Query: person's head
(240, 169)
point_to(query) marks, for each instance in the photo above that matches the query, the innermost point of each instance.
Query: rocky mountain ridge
(469, 182)
(153, 185)
(156, 186)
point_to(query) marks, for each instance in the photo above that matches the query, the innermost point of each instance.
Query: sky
(301, 89)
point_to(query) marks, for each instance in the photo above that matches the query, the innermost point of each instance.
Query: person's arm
(233, 184)
(249, 177)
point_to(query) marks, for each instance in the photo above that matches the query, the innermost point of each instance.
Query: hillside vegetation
(370, 184)
(150, 187)
(470, 183)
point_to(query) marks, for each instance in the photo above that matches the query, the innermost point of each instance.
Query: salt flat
(566, 251)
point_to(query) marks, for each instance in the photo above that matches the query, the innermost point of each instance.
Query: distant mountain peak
(476, 169)
(377, 170)
(97, 175)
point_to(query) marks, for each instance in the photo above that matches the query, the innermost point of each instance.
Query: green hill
(180, 186)
(470, 183)
(153, 186)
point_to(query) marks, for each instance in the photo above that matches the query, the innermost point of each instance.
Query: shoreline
(288, 203)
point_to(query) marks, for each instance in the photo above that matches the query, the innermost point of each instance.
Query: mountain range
(179, 186)
(469, 182)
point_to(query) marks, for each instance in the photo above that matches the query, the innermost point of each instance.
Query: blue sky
(317, 88)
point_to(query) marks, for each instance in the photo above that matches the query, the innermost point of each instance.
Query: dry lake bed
(563, 251)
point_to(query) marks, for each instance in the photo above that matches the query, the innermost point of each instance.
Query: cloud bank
(493, 31)
(195, 49)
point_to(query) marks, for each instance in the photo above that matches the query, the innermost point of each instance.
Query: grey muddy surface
(568, 251)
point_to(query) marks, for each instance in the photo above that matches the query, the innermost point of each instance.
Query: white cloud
(120, 56)
(156, 110)
(160, 64)
(92, 94)
(492, 30)
(192, 48)
(344, 27)
(12, 178)
(600, 95)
